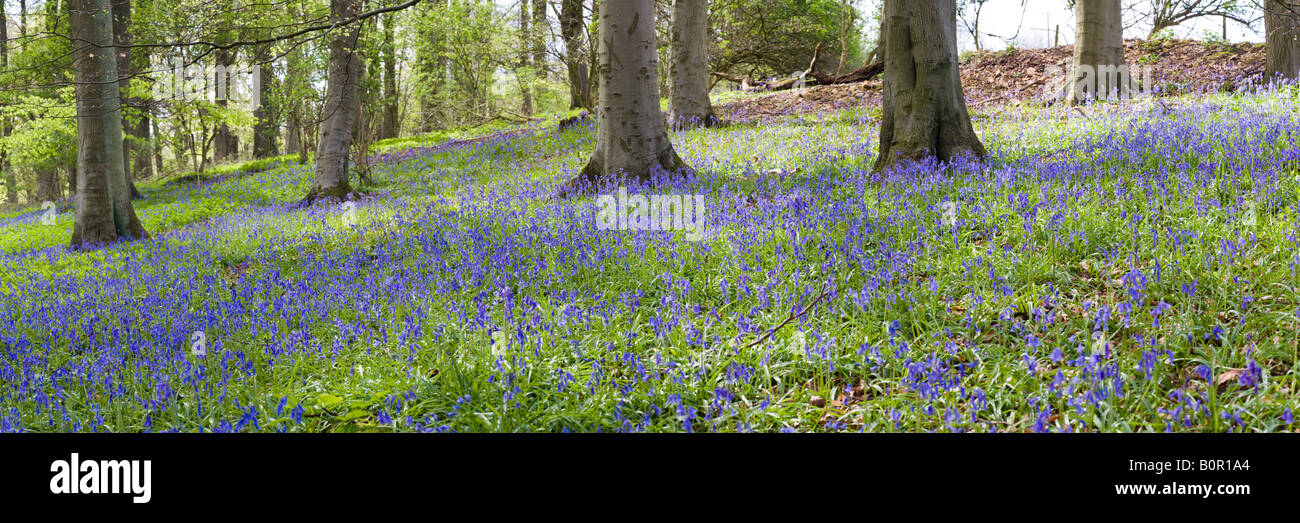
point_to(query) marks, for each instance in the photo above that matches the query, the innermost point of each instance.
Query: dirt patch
(1016, 76)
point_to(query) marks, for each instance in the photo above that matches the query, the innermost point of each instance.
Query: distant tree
(631, 140)
(104, 212)
(924, 112)
(10, 181)
(969, 11)
(389, 124)
(122, 38)
(688, 86)
(525, 53)
(541, 30)
(1164, 14)
(575, 53)
(266, 114)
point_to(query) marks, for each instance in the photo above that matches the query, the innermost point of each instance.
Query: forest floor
(1117, 267)
(1017, 76)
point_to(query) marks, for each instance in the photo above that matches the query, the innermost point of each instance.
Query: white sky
(1040, 18)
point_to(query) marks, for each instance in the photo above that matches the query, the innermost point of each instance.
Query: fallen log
(861, 74)
(747, 84)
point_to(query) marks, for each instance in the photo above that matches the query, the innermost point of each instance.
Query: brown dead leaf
(1227, 376)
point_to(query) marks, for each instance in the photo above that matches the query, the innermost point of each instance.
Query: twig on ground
(822, 294)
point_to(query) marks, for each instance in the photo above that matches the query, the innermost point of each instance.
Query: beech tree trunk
(104, 212)
(575, 58)
(924, 111)
(631, 140)
(688, 85)
(340, 109)
(1282, 39)
(1098, 70)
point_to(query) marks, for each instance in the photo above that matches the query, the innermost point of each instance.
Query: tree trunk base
(923, 109)
(87, 238)
(691, 122)
(593, 178)
(337, 192)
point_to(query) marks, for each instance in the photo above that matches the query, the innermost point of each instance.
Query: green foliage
(761, 38)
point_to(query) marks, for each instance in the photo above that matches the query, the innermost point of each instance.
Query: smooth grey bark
(1098, 70)
(688, 84)
(1282, 39)
(575, 58)
(103, 211)
(924, 112)
(631, 139)
(341, 108)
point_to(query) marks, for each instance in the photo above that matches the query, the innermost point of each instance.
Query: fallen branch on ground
(747, 84)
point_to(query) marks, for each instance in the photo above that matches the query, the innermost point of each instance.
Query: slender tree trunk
(142, 125)
(1282, 39)
(157, 146)
(225, 144)
(541, 30)
(103, 211)
(266, 125)
(432, 63)
(11, 183)
(575, 57)
(846, 20)
(688, 86)
(525, 38)
(593, 53)
(293, 135)
(389, 124)
(340, 109)
(122, 37)
(71, 169)
(631, 141)
(1098, 71)
(924, 111)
